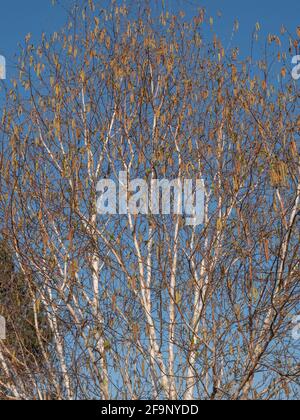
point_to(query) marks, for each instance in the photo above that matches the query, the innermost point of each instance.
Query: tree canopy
(135, 306)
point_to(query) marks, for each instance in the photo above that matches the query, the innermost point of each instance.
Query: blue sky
(18, 17)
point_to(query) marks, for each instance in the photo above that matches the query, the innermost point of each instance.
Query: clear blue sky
(18, 17)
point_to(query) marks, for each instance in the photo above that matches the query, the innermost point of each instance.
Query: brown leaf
(266, 249)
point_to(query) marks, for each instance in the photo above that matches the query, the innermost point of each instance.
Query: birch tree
(143, 306)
